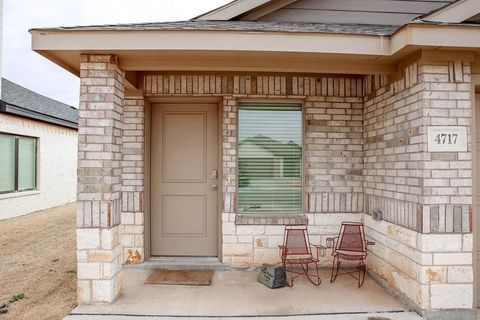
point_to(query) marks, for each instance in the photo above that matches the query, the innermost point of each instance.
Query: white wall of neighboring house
(1, 42)
(56, 167)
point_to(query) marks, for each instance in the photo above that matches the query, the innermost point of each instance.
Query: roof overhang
(207, 50)
(18, 111)
(456, 12)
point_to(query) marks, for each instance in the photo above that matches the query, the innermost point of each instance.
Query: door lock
(214, 187)
(214, 174)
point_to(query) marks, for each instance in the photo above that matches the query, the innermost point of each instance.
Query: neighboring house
(38, 151)
(381, 93)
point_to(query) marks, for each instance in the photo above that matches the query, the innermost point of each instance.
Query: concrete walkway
(236, 294)
(369, 316)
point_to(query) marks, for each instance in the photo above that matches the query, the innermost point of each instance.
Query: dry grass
(37, 259)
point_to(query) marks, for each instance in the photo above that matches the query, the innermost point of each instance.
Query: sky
(27, 68)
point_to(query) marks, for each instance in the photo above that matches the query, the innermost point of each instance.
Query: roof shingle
(28, 100)
(254, 26)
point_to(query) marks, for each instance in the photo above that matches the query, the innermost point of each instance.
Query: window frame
(15, 189)
(302, 168)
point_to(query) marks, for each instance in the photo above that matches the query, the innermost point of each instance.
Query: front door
(184, 179)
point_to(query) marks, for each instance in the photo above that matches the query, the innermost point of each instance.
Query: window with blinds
(18, 157)
(270, 158)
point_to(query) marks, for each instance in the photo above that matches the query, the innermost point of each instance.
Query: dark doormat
(181, 277)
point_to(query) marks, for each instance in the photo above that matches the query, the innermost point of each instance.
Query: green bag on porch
(272, 276)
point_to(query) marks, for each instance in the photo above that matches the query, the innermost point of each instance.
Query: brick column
(99, 179)
(424, 245)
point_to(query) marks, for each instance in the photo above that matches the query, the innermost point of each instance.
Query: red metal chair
(297, 257)
(350, 245)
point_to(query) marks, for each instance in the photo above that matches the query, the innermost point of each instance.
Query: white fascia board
(426, 35)
(457, 12)
(104, 41)
(232, 10)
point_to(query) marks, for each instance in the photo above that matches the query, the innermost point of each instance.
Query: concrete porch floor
(237, 294)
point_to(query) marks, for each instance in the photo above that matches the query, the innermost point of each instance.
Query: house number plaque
(447, 139)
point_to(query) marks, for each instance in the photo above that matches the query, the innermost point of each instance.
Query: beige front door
(183, 180)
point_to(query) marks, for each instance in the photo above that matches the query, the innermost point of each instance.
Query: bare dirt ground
(37, 260)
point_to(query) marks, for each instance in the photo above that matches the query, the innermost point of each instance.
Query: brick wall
(393, 149)
(423, 250)
(133, 185)
(334, 153)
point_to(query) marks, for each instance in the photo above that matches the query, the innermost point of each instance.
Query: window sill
(19, 194)
(271, 219)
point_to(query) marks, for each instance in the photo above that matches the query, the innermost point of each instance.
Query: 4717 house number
(447, 139)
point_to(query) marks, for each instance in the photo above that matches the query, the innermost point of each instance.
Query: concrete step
(181, 263)
(338, 316)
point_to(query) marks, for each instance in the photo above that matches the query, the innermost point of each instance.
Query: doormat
(181, 277)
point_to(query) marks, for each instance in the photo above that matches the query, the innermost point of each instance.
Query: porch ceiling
(253, 51)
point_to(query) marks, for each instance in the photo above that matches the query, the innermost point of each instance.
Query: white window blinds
(18, 157)
(269, 158)
(26, 163)
(7, 163)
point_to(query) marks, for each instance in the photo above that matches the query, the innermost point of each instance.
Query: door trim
(475, 171)
(147, 193)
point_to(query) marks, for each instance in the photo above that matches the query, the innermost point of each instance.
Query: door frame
(475, 86)
(147, 136)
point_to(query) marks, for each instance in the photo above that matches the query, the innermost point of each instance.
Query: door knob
(214, 187)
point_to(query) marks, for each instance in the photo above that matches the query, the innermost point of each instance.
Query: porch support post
(99, 251)
(424, 245)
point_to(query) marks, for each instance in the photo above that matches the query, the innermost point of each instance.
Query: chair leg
(306, 270)
(289, 284)
(361, 273)
(335, 267)
(319, 281)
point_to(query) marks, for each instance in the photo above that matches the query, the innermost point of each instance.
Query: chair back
(296, 240)
(351, 237)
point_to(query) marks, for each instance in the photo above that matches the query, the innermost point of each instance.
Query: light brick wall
(56, 168)
(334, 153)
(394, 146)
(133, 183)
(229, 153)
(424, 248)
(99, 251)
(447, 185)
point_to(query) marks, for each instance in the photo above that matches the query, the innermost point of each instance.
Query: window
(18, 156)
(270, 158)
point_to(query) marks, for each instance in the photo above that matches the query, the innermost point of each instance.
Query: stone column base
(99, 255)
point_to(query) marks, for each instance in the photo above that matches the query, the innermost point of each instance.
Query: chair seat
(350, 255)
(298, 257)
